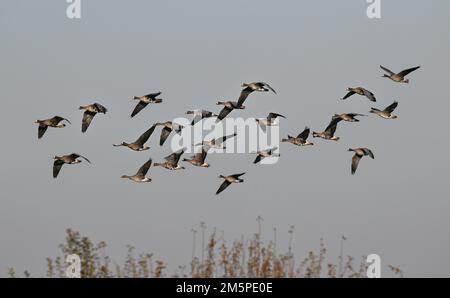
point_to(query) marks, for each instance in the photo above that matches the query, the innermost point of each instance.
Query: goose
(301, 139)
(228, 106)
(144, 100)
(167, 129)
(228, 180)
(199, 115)
(398, 77)
(266, 153)
(89, 113)
(359, 153)
(171, 162)
(216, 143)
(198, 159)
(52, 122)
(270, 119)
(349, 117)
(252, 87)
(328, 134)
(387, 112)
(66, 159)
(359, 91)
(140, 175)
(138, 145)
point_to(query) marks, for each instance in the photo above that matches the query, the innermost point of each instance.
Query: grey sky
(198, 52)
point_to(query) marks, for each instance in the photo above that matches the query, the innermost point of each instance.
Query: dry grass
(242, 258)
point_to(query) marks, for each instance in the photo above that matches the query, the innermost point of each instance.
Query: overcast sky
(198, 52)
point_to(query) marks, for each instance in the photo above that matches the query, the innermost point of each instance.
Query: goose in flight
(199, 115)
(398, 77)
(387, 112)
(300, 140)
(167, 129)
(266, 153)
(252, 87)
(216, 143)
(228, 180)
(138, 145)
(328, 134)
(140, 175)
(66, 159)
(89, 113)
(198, 159)
(359, 91)
(349, 117)
(228, 106)
(171, 161)
(144, 101)
(52, 122)
(359, 153)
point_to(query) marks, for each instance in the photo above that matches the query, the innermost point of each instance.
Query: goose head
(125, 176)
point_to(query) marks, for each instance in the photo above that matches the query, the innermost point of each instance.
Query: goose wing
(350, 93)
(201, 156)
(391, 107)
(244, 94)
(268, 86)
(165, 132)
(146, 135)
(76, 155)
(236, 176)
(369, 152)
(224, 185)
(41, 130)
(144, 168)
(100, 108)
(87, 119)
(369, 95)
(153, 95)
(274, 115)
(57, 165)
(221, 140)
(387, 70)
(304, 134)
(258, 158)
(55, 120)
(223, 113)
(331, 128)
(407, 71)
(139, 107)
(355, 161)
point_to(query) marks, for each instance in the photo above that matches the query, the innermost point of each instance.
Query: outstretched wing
(350, 93)
(369, 152)
(221, 140)
(387, 70)
(369, 95)
(174, 157)
(223, 113)
(244, 94)
(268, 86)
(201, 156)
(331, 128)
(138, 108)
(165, 132)
(144, 137)
(304, 134)
(391, 108)
(87, 119)
(58, 119)
(355, 161)
(407, 71)
(41, 130)
(274, 115)
(237, 175)
(100, 108)
(257, 159)
(57, 165)
(76, 155)
(144, 169)
(224, 185)
(153, 95)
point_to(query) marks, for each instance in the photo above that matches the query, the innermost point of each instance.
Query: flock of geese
(171, 162)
